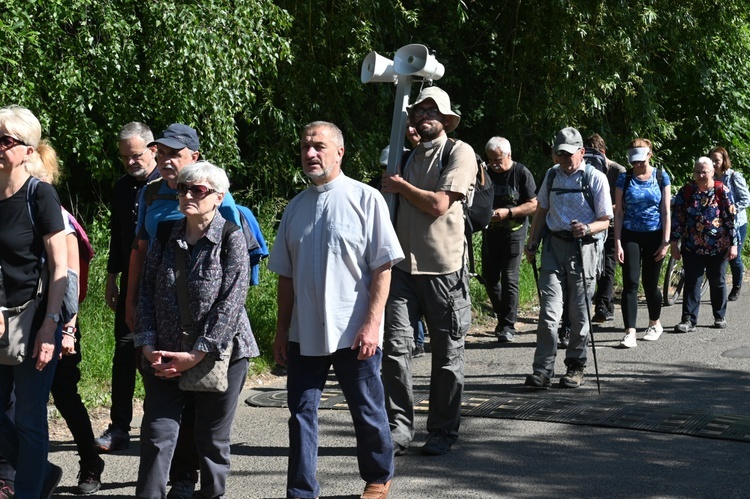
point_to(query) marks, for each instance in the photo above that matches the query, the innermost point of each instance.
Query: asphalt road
(679, 377)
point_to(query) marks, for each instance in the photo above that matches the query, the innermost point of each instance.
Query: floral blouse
(217, 282)
(703, 221)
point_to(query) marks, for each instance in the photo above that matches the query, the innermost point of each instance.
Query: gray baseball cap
(568, 140)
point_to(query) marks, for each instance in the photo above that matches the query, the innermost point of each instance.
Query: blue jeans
(715, 268)
(736, 265)
(360, 382)
(25, 443)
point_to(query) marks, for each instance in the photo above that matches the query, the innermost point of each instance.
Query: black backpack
(595, 158)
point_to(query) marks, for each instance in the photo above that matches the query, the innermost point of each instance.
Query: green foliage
(88, 67)
(249, 73)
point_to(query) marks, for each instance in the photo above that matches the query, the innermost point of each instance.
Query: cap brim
(635, 158)
(169, 142)
(567, 148)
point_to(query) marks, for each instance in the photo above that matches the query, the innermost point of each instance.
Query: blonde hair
(43, 164)
(639, 142)
(22, 124)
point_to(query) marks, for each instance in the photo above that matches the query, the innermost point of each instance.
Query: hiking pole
(536, 280)
(579, 244)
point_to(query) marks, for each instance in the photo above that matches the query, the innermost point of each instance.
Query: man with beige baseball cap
(432, 281)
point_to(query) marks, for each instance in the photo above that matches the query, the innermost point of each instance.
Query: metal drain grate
(627, 416)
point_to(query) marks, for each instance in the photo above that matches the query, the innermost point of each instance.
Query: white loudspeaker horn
(377, 68)
(415, 59)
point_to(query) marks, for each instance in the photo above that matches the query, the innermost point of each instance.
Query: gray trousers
(561, 274)
(444, 302)
(214, 415)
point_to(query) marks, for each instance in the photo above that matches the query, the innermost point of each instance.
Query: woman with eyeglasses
(736, 184)
(703, 234)
(215, 279)
(642, 229)
(27, 239)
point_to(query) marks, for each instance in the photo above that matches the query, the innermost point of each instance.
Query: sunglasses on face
(197, 191)
(429, 112)
(6, 142)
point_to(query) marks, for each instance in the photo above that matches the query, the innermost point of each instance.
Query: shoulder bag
(19, 321)
(210, 374)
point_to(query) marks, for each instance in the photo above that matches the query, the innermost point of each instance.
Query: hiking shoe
(89, 478)
(653, 333)
(734, 294)
(112, 440)
(628, 341)
(437, 444)
(181, 490)
(599, 317)
(398, 449)
(418, 351)
(537, 380)
(563, 335)
(376, 490)
(7, 489)
(685, 327)
(505, 336)
(720, 323)
(573, 378)
(51, 479)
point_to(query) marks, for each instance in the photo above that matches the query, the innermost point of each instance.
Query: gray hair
(136, 129)
(22, 124)
(704, 161)
(498, 144)
(336, 134)
(203, 171)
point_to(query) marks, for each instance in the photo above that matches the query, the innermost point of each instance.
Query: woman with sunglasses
(23, 241)
(736, 184)
(642, 230)
(68, 372)
(216, 277)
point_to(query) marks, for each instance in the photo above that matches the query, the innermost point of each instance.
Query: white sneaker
(653, 333)
(628, 341)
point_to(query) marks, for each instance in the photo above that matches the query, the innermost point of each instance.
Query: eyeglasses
(430, 112)
(197, 191)
(8, 141)
(132, 157)
(564, 154)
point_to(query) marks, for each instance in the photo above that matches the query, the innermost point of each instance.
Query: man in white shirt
(333, 253)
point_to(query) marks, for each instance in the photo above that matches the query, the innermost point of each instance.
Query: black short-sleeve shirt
(512, 188)
(20, 247)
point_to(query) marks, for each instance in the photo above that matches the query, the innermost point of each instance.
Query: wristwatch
(55, 317)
